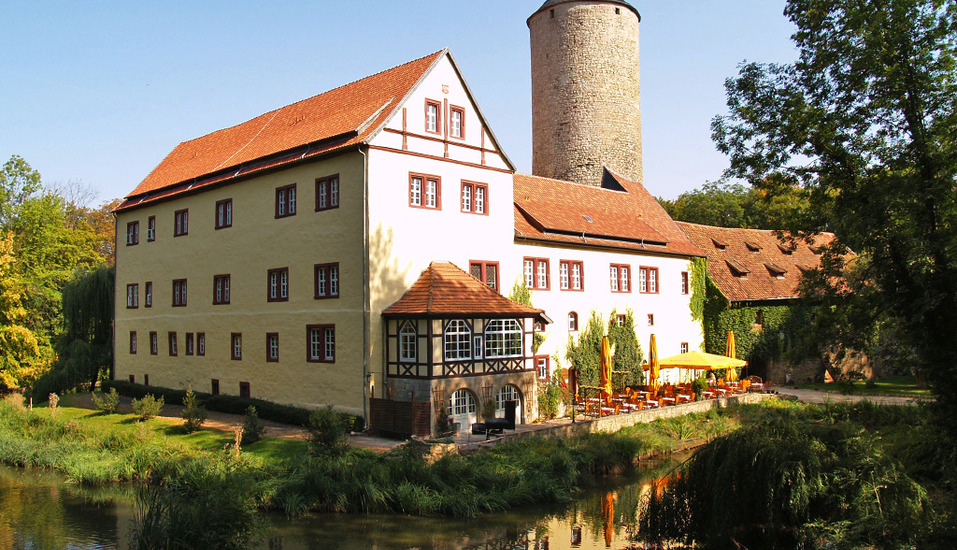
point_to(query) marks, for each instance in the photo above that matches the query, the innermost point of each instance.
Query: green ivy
(585, 354)
(780, 330)
(699, 287)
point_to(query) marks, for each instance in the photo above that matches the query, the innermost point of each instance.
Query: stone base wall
(610, 424)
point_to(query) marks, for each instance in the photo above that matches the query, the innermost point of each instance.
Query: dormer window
(775, 270)
(720, 245)
(752, 246)
(787, 250)
(738, 269)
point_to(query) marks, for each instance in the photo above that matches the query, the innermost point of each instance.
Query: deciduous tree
(866, 122)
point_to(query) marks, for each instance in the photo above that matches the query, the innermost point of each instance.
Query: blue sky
(101, 91)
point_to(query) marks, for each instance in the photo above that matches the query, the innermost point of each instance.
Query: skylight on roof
(588, 218)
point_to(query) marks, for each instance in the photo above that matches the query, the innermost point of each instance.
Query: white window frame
(504, 338)
(457, 341)
(408, 343)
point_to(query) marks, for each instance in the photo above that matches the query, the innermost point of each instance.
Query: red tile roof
(754, 265)
(620, 214)
(444, 290)
(336, 119)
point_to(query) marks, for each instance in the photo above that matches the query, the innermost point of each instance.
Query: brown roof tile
(333, 120)
(620, 214)
(754, 264)
(444, 290)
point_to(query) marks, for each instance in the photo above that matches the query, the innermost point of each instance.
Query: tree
(726, 204)
(20, 359)
(865, 121)
(18, 181)
(627, 350)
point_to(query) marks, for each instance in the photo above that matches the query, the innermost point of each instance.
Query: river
(39, 511)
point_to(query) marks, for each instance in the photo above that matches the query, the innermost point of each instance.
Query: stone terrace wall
(619, 421)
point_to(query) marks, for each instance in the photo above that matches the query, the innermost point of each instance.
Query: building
(333, 251)
(753, 290)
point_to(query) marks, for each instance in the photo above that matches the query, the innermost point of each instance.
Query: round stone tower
(586, 90)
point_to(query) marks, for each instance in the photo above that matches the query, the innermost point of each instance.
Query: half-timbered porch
(459, 345)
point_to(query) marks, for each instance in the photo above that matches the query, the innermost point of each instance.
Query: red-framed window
(327, 193)
(272, 347)
(224, 213)
(543, 366)
(651, 319)
(321, 343)
(154, 343)
(146, 379)
(326, 281)
(173, 349)
(536, 273)
(151, 229)
(148, 297)
(214, 386)
(474, 197)
(622, 319)
(132, 296)
(277, 281)
(132, 379)
(684, 347)
(648, 280)
(236, 346)
(487, 272)
(200, 343)
(132, 342)
(684, 282)
(571, 275)
(457, 122)
(620, 277)
(425, 191)
(190, 347)
(244, 390)
(572, 321)
(221, 285)
(433, 116)
(286, 201)
(181, 223)
(132, 233)
(179, 292)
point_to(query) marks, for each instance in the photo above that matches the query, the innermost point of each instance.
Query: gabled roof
(445, 291)
(619, 214)
(749, 266)
(331, 121)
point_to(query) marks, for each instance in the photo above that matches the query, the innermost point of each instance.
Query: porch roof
(446, 291)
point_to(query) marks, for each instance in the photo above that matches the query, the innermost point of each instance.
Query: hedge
(231, 404)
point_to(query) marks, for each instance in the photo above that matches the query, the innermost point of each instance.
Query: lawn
(904, 386)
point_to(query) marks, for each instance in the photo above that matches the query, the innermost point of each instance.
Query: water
(38, 511)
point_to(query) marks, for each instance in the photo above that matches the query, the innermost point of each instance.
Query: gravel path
(814, 396)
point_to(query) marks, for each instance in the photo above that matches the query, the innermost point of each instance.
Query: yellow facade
(256, 242)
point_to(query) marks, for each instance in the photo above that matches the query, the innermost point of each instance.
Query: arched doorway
(462, 408)
(508, 393)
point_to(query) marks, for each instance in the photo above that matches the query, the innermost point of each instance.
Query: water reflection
(38, 511)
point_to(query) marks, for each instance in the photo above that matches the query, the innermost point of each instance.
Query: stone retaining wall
(619, 421)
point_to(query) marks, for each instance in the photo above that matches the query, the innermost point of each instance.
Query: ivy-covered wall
(780, 327)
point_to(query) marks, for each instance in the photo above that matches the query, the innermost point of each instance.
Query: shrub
(147, 407)
(846, 387)
(327, 432)
(108, 403)
(193, 412)
(699, 385)
(253, 429)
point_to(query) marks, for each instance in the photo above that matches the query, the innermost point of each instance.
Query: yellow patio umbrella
(654, 374)
(699, 360)
(604, 372)
(732, 372)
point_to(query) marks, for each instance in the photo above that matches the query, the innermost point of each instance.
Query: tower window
(552, 13)
(617, 11)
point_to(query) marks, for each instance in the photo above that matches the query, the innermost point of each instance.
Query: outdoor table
(668, 400)
(722, 391)
(686, 397)
(708, 394)
(651, 404)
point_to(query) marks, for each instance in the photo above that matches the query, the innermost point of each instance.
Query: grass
(903, 386)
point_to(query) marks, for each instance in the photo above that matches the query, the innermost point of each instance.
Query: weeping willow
(787, 484)
(86, 343)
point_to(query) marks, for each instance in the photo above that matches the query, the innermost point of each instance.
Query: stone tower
(586, 90)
